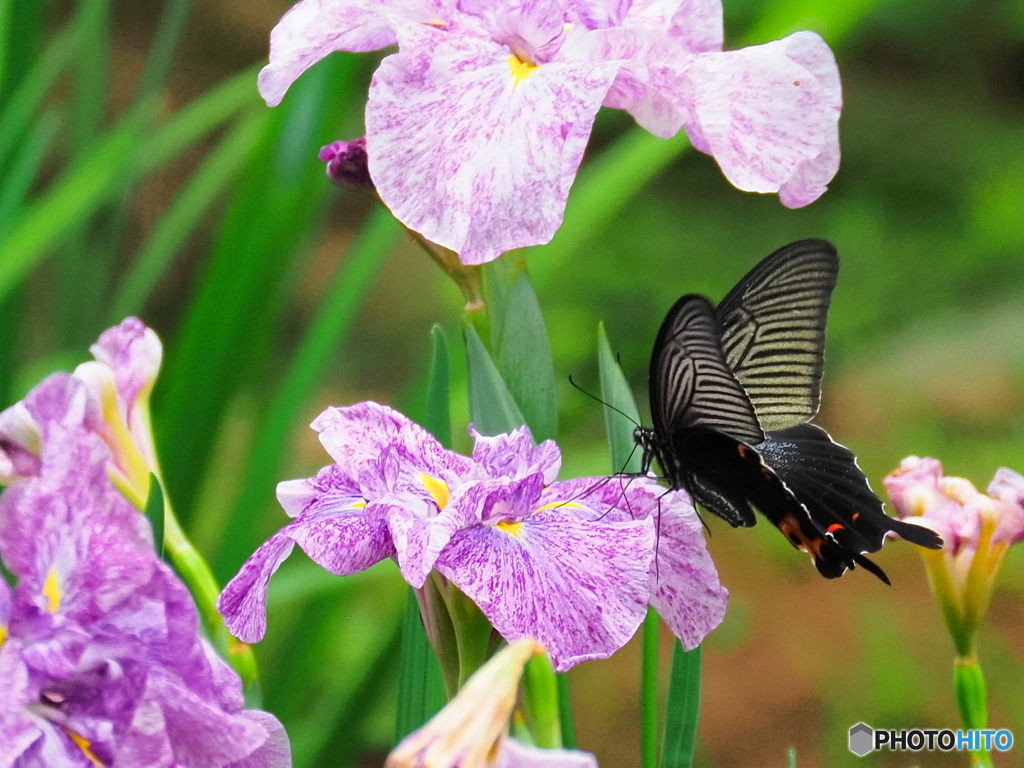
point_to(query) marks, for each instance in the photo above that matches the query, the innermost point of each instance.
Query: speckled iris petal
(578, 586)
(69, 526)
(473, 150)
(767, 114)
(133, 352)
(18, 731)
(685, 590)
(383, 450)
(514, 455)
(695, 24)
(338, 537)
(684, 584)
(312, 29)
(20, 443)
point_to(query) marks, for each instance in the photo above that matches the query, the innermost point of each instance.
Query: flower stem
(969, 684)
(196, 573)
(649, 692)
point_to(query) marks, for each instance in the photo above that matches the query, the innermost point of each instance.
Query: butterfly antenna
(602, 402)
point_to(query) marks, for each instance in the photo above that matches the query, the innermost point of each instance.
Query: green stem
(565, 712)
(969, 684)
(682, 710)
(541, 702)
(649, 692)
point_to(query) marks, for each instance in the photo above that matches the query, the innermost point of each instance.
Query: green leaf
(491, 406)
(682, 708)
(161, 52)
(155, 513)
(219, 169)
(319, 346)
(524, 358)
(420, 685)
(615, 392)
(438, 420)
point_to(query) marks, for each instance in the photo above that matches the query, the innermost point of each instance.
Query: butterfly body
(733, 389)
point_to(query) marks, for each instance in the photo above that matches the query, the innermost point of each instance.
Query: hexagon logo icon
(862, 739)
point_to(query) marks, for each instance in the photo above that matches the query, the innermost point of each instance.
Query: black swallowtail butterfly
(733, 390)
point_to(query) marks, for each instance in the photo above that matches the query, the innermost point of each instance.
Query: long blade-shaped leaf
(682, 708)
(491, 405)
(217, 171)
(420, 685)
(318, 348)
(616, 394)
(524, 358)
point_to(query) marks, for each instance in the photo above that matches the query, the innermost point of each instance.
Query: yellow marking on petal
(84, 745)
(3, 634)
(438, 489)
(436, 23)
(52, 590)
(511, 528)
(521, 69)
(559, 505)
(359, 504)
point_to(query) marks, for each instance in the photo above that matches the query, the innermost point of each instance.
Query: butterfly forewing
(773, 331)
(691, 384)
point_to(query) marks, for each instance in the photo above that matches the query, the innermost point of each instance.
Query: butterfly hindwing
(825, 477)
(773, 331)
(742, 477)
(691, 384)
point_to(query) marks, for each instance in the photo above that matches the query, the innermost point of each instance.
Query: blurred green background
(140, 173)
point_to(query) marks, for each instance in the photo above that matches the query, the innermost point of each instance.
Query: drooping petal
(475, 148)
(357, 437)
(312, 29)
(338, 537)
(768, 114)
(685, 590)
(514, 455)
(578, 586)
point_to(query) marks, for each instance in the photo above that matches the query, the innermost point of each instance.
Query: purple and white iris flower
(117, 385)
(101, 658)
(570, 564)
(476, 127)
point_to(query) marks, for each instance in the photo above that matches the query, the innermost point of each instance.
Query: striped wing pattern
(691, 384)
(773, 331)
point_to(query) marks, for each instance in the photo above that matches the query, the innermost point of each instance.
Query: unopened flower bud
(347, 163)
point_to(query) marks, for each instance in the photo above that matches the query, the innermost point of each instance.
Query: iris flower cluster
(102, 661)
(572, 563)
(476, 127)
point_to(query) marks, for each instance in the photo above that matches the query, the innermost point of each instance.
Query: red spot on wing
(835, 527)
(855, 516)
